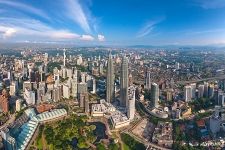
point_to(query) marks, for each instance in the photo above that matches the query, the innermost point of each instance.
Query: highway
(201, 80)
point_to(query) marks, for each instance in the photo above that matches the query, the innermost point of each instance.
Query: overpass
(201, 80)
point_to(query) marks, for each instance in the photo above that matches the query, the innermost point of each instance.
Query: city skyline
(194, 22)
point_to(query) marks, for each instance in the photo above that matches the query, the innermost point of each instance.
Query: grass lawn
(125, 147)
(39, 144)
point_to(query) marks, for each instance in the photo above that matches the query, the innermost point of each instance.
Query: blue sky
(114, 22)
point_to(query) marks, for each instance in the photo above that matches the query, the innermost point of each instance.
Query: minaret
(110, 92)
(64, 57)
(124, 82)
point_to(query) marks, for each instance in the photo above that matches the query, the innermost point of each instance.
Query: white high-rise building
(131, 103)
(79, 60)
(83, 77)
(74, 87)
(93, 85)
(64, 57)
(200, 91)
(206, 89)
(155, 95)
(193, 87)
(69, 73)
(66, 91)
(64, 75)
(187, 93)
(29, 96)
(18, 104)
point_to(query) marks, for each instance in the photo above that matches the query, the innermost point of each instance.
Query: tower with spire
(124, 82)
(110, 91)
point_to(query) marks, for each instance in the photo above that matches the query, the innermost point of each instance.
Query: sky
(113, 22)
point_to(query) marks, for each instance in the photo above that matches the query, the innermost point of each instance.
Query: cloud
(76, 13)
(7, 32)
(101, 37)
(205, 31)
(25, 8)
(87, 38)
(148, 27)
(210, 4)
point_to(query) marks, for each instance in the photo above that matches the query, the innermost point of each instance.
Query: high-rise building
(18, 104)
(101, 69)
(29, 96)
(206, 89)
(200, 90)
(124, 82)
(74, 87)
(66, 91)
(64, 57)
(110, 93)
(4, 101)
(193, 87)
(131, 103)
(155, 95)
(148, 80)
(93, 86)
(187, 93)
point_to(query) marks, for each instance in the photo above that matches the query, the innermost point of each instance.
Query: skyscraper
(4, 101)
(110, 93)
(148, 80)
(155, 95)
(131, 103)
(64, 57)
(124, 82)
(187, 93)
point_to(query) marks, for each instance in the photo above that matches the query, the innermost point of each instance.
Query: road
(200, 80)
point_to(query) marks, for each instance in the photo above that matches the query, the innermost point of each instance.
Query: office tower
(29, 96)
(206, 89)
(93, 86)
(124, 82)
(69, 73)
(110, 93)
(211, 90)
(4, 101)
(193, 87)
(18, 104)
(148, 80)
(86, 103)
(83, 77)
(79, 60)
(177, 65)
(82, 87)
(55, 94)
(155, 95)
(64, 75)
(64, 57)
(13, 89)
(169, 94)
(131, 103)
(74, 87)
(101, 69)
(66, 91)
(187, 93)
(200, 91)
